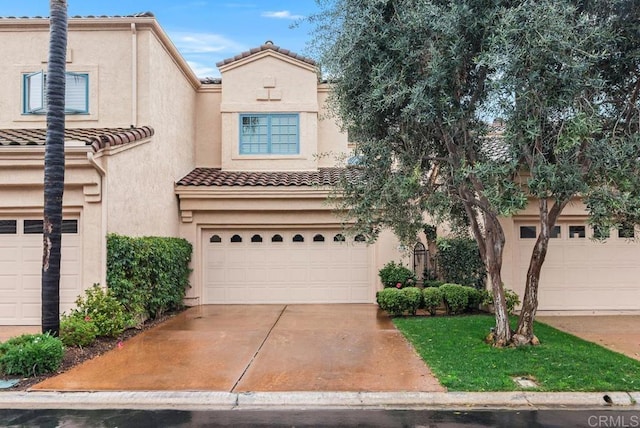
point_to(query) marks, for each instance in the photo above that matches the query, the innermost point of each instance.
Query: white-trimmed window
(269, 134)
(76, 93)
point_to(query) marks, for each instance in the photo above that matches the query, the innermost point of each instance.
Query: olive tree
(414, 82)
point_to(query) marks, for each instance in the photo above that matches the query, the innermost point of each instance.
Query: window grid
(269, 134)
(76, 93)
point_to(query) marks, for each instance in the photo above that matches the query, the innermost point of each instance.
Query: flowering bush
(396, 275)
(77, 330)
(103, 310)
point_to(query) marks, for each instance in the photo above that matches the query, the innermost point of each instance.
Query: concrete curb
(296, 400)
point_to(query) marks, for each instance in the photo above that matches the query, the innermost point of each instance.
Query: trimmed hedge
(148, 275)
(455, 298)
(413, 296)
(432, 298)
(392, 300)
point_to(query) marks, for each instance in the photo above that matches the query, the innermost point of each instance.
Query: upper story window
(76, 93)
(269, 134)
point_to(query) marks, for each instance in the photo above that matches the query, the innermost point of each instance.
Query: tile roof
(217, 177)
(268, 45)
(97, 138)
(134, 15)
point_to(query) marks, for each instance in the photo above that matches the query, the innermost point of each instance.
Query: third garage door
(285, 266)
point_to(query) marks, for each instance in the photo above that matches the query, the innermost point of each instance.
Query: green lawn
(454, 349)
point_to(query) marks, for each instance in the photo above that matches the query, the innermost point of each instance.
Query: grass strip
(454, 349)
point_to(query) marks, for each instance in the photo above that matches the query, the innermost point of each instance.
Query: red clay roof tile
(97, 138)
(217, 177)
(264, 47)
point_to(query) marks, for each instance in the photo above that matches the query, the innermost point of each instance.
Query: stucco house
(239, 166)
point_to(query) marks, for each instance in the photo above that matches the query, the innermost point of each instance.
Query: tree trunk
(524, 331)
(54, 167)
(495, 247)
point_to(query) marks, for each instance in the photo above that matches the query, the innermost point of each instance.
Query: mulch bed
(74, 356)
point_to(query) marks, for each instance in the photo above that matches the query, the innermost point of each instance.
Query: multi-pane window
(76, 98)
(265, 134)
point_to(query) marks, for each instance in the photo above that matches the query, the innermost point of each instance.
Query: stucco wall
(269, 83)
(332, 142)
(141, 199)
(104, 55)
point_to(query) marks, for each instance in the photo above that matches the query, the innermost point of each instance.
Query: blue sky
(205, 31)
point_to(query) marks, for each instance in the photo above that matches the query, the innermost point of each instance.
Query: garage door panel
(285, 272)
(20, 277)
(583, 274)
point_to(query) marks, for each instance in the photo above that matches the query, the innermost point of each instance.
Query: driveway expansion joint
(235, 385)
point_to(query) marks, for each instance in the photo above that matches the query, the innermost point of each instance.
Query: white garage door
(282, 266)
(21, 266)
(580, 273)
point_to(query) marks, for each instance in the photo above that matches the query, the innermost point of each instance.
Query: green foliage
(413, 297)
(394, 273)
(475, 297)
(393, 301)
(104, 311)
(510, 296)
(433, 283)
(148, 275)
(432, 298)
(77, 331)
(459, 262)
(456, 298)
(31, 355)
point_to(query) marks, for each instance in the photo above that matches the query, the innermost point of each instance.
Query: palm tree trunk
(54, 167)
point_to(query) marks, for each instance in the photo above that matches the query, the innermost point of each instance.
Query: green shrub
(77, 331)
(106, 313)
(393, 274)
(459, 262)
(455, 298)
(432, 298)
(393, 301)
(148, 275)
(414, 299)
(433, 283)
(31, 355)
(474, 297)
(511, 297)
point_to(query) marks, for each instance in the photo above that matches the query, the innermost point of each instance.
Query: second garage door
(285, 266)
(580, 273)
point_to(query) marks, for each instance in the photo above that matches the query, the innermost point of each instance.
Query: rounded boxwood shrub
(77, 331)
(393, 301)
(474, 298)
(394, 273)
(455, 298)
(31, 355)
(413, 296)
(433, 283)
(432, 297)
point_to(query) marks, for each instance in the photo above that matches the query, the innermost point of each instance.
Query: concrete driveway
(620, 333)
(241, 348)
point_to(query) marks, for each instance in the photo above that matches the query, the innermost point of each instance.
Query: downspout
(104, 224)
(134, 75)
